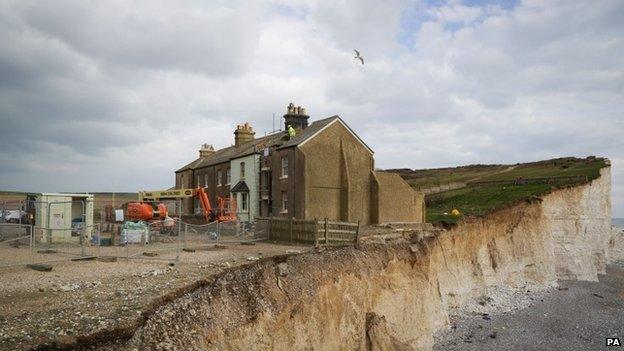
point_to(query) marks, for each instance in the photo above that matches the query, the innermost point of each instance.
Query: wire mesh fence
(22, 244)
(15, 244)
(63, 228)
(197, 236)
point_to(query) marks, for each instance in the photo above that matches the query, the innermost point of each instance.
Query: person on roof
(291, 131)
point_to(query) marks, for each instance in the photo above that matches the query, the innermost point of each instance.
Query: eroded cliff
(391, 295)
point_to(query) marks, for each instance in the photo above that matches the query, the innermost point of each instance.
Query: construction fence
(22, 244)
(310, 231)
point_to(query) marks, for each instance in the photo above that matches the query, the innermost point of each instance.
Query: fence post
(32, 243)
(185, 232)
(270, 227)
(357, 235)
(315, 226)
(99, 241)
(291, 229)
(326, 238)
(82, 241)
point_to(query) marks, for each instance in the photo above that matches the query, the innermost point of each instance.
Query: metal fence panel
(15, 244)
(195, 236)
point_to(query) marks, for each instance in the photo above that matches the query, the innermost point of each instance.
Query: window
(205, 180)
(219, 175)
(197, 184)
(227, 176)
(244, 202)
(284, 202)
(284, 167)
(242, 170)
(265, 181)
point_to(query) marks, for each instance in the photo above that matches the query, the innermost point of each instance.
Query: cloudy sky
(96, 95)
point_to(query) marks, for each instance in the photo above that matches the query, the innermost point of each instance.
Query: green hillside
(479, 189)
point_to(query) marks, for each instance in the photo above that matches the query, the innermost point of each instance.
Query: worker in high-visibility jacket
(291, 131)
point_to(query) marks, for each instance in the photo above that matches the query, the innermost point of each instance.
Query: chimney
(243, 134)
(296, 117)
(206, 150)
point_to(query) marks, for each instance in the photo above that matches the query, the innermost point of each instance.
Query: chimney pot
(296, 117)
(244, 133)
(206, 150)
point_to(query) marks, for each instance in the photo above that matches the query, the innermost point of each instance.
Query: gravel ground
(80, 298)
(577, 315)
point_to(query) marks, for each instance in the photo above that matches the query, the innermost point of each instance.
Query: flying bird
(358, 57)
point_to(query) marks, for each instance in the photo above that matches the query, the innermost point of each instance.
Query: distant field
(485, 188)
(101, 198)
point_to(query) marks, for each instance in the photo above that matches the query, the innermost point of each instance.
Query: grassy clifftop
(476, 190)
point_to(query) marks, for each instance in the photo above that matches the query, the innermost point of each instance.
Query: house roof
(279, 140)
(233, 152)
(315, 128)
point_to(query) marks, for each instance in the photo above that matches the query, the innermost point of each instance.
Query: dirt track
(578, 315)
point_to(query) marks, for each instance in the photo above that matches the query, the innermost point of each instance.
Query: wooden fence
(524, 181)
(312, 231)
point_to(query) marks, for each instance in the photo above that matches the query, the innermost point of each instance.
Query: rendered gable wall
(394, 200)
(337, 176)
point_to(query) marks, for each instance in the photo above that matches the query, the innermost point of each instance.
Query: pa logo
(614, 342)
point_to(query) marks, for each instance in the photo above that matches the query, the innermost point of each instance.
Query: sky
(117, 95)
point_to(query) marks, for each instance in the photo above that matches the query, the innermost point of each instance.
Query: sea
(617, 222)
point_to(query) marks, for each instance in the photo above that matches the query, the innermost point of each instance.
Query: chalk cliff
(391, 295)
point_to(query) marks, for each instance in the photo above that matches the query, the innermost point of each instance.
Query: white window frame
(284, 202)
(284, 163)
(242, 170)
(219, 176)
(228, 176)
(205, 180)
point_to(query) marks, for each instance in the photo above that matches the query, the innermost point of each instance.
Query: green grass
(435, 177)
(478, 199)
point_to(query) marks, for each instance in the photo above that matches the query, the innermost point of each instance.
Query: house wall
(207, 177)
(292, 184)
(337, 176)
(224, 189)
(252, 169)
(393, 200)
(204, 177)
(184, 180)
(265, 186)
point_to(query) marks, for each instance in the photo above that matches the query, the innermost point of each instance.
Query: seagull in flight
(358, 57)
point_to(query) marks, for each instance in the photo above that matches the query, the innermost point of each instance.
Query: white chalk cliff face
(393, 296)
(579, 223)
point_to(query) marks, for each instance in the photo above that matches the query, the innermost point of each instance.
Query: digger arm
(205, 202)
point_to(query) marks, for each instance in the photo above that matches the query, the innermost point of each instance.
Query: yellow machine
(225, 210)
(166, 194)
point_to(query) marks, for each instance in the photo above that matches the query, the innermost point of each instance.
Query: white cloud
(95, 93)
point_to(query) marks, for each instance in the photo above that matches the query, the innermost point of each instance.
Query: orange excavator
(149, 208)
